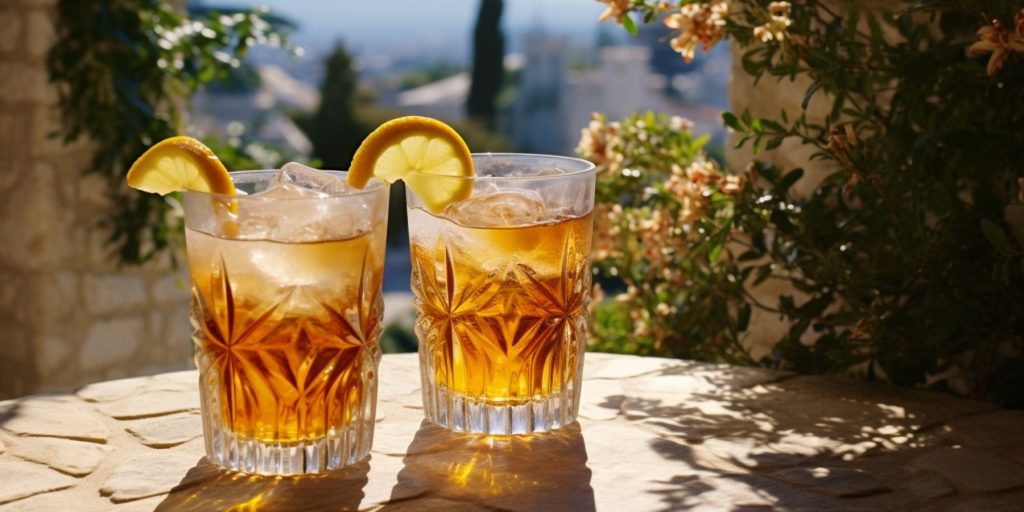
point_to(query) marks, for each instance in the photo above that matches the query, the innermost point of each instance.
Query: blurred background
(519, 75)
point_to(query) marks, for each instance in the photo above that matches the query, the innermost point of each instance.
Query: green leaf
(810, 92)
(743, 321)
(700, 142)
(764, 273)
(629, 24)
(731, 121)
(851, 24)
(996, 236)
(717, 241)
(877, 40)
(789, 179)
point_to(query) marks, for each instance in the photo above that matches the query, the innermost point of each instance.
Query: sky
(389, 25)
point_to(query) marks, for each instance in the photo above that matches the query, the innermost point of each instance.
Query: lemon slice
(180, 163)
(417, 150)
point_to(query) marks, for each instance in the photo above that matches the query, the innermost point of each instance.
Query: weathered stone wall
(68, 314)
(768, 98)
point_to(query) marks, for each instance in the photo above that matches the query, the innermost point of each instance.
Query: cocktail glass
(502, 286)
(286, 306)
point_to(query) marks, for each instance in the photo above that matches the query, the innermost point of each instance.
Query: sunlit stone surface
(654, 434)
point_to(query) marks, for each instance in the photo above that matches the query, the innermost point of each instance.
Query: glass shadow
(537, 472)
(207, 486)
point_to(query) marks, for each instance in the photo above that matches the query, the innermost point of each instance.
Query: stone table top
(653, 434)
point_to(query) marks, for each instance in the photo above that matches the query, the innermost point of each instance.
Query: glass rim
(375, 185)
(587, 167)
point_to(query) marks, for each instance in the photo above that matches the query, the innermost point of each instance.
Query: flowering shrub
(664, 211)
(899, 265)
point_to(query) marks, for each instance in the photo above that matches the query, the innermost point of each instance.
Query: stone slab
(52, 417)
(833, 481)
(928, 484)
(150, 403)
(113, 389)
(148, 474)
(653, 435)
(24, 479)
(972, 469)
(75, 458)
(167, 431)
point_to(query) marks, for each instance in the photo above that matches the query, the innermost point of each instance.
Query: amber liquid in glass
(283, 330)
(502, 310)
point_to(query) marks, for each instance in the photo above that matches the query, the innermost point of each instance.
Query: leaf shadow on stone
(760, 440)
(210, 487)
(454, 470)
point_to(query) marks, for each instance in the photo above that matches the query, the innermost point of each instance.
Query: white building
(554, 104)
(444, 99)
(260, 112)
(537, 116)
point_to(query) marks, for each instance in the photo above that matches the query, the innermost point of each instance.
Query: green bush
(900, 263)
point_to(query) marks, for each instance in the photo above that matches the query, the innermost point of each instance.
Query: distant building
(554, 104)
(537, 115)
(444, 99)
(260, 111)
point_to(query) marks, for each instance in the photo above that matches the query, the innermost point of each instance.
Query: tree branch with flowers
(901, 265)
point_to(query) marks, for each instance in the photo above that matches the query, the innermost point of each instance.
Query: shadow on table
(540, 472)
(209, 487)
(758, 442)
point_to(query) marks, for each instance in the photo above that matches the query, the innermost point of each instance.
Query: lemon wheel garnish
(180, 163)
(417, 150)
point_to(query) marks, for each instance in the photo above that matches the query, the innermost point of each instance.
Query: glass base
(460, 413)
(336, 450)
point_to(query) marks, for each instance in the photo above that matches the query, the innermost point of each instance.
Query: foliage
(398, 338)
(899, 264)
(664, 212)
(121, 69)
(488, 64)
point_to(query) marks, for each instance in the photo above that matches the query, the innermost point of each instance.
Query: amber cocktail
(286, 308)
(502, 285)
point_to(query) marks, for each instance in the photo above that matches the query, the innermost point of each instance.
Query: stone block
(171, 288)
(10, 30)
(101, 256)
(55, 297)
(178, 332)
(45, 130)
(33, 221)
(15, 141)
(92, 193)
(52, 354)
(113, 293)
(11, 293)
(111, 343)
(24, 82)
(39, 34)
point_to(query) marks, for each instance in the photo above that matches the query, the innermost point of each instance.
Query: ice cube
(294, 173)
(554, 171)
(508, 208)
(287, 190)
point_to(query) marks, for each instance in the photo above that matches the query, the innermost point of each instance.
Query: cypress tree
(488, 64)
(334, 129)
